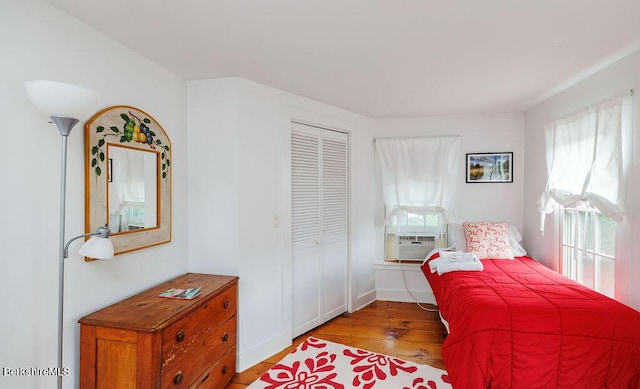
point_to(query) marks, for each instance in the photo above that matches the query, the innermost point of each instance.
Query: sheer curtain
(418, 175)
(584, 157)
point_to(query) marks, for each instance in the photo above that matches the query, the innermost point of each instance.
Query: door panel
(319, 202)
(306, 290)
(334, 279)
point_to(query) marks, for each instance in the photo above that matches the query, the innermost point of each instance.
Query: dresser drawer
(184, 371)
(220, 374)
(181, 337)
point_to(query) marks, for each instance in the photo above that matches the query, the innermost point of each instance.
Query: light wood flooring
(403, 330)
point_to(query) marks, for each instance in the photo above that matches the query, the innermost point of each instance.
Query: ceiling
(380, 58)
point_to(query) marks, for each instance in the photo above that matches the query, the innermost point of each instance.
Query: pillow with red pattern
(488, 239)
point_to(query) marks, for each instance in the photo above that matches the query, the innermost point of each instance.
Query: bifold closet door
(319, 191)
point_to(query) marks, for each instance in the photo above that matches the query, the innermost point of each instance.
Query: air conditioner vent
(415, 239)
(409, 246)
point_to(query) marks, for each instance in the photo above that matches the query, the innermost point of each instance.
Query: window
(585, 184)
(587, 250)
(418, 179)
(414, 223)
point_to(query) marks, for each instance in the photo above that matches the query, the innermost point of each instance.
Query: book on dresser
(181, 293)
(149, 342)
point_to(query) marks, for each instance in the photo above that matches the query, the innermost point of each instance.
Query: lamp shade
(97, 248)
(55, 98)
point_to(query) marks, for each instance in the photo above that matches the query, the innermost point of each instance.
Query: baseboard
(364, 300)
(260, 352)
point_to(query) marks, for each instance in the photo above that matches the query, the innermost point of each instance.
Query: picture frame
(489, 167)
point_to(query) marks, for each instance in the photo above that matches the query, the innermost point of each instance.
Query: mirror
(132, 188)
(128, 178)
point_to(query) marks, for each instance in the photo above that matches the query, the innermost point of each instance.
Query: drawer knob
(225, 369)
(180, 336)
(225, 337)
(178, 379)
(226, 304)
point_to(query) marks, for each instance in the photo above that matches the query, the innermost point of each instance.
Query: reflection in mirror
(132, 188)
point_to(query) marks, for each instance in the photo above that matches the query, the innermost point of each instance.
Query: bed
(519, 324)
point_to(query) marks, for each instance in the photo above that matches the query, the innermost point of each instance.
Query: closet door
(319, 183)
(305, 226)
(334, 202)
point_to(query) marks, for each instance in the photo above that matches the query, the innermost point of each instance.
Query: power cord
(411, 294)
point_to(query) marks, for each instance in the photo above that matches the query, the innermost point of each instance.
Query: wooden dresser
(152, 342)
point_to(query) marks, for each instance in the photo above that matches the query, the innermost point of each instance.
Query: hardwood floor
(403, 330)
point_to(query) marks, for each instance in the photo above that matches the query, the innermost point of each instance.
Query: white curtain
(584, 159)
(418, 175)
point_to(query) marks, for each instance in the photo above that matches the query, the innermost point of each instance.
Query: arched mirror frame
(121, 125)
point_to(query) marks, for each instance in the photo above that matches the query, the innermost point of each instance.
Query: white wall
(38, 41)
(239, 165)
(479, 133)
(617, 78)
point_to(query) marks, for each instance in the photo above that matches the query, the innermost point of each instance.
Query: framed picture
(489, 167)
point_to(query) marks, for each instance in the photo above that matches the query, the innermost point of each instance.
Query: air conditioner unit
(414, 247)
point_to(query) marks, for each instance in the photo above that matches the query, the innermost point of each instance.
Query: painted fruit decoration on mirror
(133, 129)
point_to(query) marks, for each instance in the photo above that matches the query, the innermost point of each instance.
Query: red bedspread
(519, 324)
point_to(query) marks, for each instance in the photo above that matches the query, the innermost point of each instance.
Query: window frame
(570, 267)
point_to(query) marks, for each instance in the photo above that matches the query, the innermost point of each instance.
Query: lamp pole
(64, 125)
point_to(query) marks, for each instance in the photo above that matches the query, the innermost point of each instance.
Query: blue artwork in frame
(489, 167)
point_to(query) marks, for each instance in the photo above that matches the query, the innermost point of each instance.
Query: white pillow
(460, 241)
(515, 238)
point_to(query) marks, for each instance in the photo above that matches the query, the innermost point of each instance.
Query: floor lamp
(65, 103)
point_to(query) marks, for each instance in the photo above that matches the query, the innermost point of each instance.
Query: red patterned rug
(320, 364)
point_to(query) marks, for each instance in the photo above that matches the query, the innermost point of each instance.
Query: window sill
(404, 261)
(397, 266)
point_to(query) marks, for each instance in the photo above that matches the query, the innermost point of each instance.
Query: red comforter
(519, 324)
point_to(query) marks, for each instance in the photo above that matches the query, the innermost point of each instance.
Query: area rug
(320, 364)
